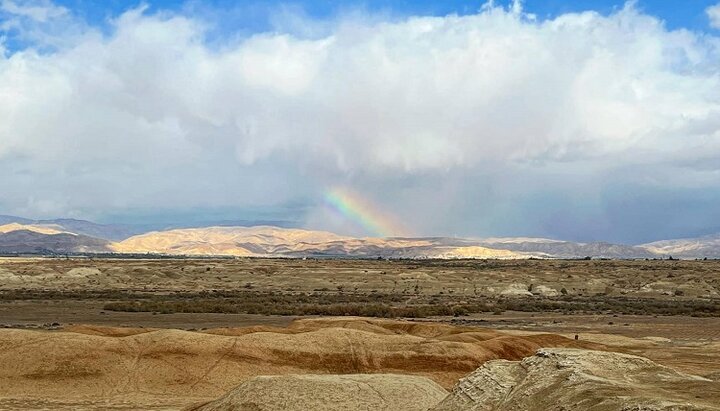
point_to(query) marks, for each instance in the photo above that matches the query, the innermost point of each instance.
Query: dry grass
(385, 305)
(393, 306)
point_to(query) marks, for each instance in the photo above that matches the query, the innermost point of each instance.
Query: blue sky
(472, 122)
(254, 15)
(231, 19)
(687, 13)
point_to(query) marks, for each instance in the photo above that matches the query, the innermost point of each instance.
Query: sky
(585, 120)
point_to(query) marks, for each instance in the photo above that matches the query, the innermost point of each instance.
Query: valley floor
(149, 334)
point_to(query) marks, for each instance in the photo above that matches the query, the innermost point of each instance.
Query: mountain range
(70, 236)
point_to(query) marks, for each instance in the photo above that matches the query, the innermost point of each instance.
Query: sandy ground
(687, 344)
(42, 314)
(678, 328)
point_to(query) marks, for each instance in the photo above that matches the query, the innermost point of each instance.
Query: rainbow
(362, 212)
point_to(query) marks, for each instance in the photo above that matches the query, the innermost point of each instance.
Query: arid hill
(554, 379)
(95, 365)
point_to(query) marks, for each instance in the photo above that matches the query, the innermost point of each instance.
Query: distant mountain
(42, 229)
(113, 232)
(235, 223)
(63, 235)
(701, 247)
(9, 219)
(284, 242)
(119, 232)
(567, 249)
(26, 241)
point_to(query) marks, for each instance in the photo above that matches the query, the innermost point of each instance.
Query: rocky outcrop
(575, 379)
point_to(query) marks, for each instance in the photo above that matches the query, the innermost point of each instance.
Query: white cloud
(713, 13)
(40, 23)
(39, 10)
(120, 119)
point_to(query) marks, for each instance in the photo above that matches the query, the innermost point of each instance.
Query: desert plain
(270, 334)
